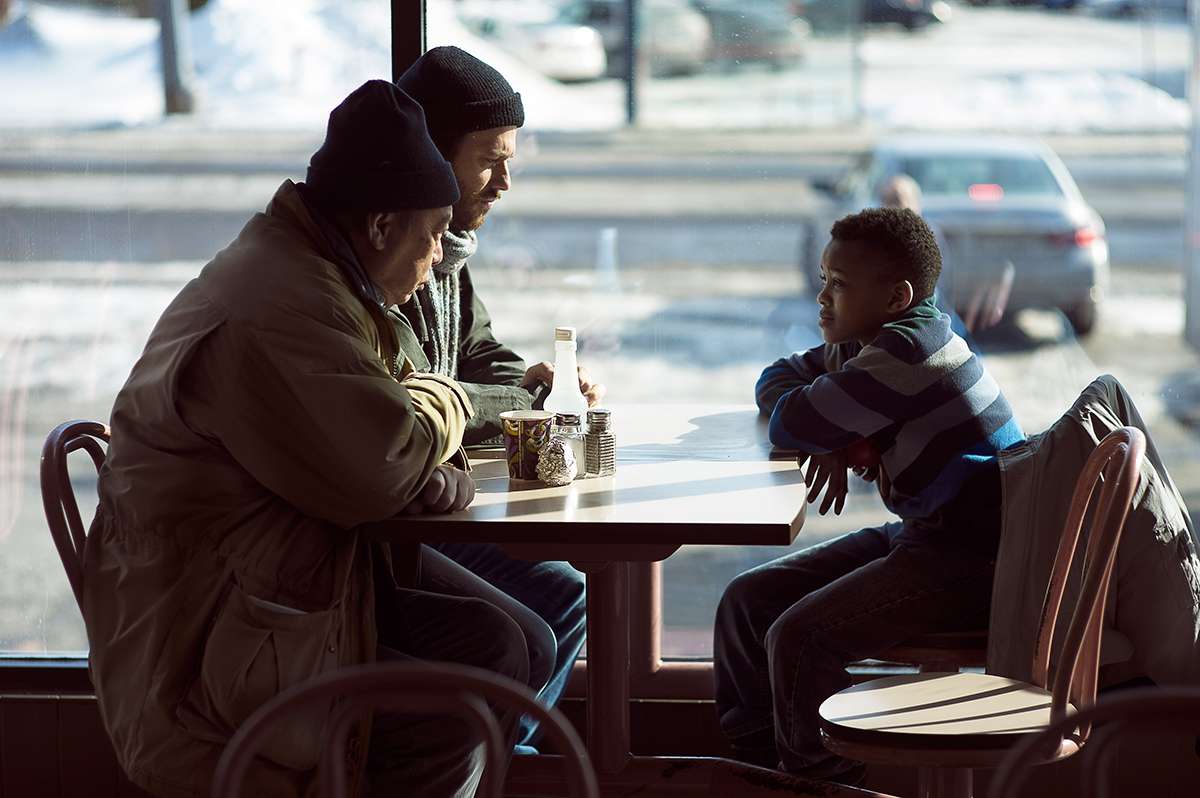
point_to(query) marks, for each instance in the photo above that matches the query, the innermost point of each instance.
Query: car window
(954, 175)
(586, 14)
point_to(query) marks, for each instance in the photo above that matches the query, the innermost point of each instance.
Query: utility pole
(176, 56)
(632, 56)
(1191, 244)
(856, 63)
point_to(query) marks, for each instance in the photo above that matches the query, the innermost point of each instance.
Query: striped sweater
(917, 392)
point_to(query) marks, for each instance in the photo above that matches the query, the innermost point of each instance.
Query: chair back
(1154, 708)
(58, 497)
(408, 687)
(1114, 467)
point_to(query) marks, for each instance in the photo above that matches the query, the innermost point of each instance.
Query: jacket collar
(290, 206)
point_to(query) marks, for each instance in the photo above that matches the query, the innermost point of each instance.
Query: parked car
(760, 31)
(674, 37)
(1175, 9)
(530, 32)
(995, 200)
(835, 15)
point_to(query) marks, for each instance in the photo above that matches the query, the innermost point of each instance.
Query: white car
(558, 50)
(996, 200)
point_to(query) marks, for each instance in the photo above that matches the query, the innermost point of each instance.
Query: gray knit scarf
(441, 298)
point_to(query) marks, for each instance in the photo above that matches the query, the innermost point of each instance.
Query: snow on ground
(283, 64)
(266, 64)
(1035, 102)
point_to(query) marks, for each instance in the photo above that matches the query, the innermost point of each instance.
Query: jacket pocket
(256, 650)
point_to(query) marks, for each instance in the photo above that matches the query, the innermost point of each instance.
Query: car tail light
(1079, 237)
(985, 192)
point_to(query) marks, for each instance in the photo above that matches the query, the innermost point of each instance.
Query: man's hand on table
(544, 372)
(448, 490)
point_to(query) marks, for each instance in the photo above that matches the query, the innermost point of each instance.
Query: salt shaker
(567, 425)
(600, 450)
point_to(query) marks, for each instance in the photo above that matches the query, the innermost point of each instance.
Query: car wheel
(1083, 316)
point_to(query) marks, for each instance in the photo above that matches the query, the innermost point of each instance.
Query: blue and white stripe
(916, 391)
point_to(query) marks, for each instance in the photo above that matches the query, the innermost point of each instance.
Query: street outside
(674, 253)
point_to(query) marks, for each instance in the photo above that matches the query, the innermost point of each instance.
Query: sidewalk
(182, 147)
(631, 174)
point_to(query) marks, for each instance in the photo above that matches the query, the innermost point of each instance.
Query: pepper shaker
(599, 446)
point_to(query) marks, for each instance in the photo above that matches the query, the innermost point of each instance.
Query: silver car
(995, 201)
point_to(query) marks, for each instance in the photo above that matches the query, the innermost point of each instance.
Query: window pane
(107, 208)
(685, 250)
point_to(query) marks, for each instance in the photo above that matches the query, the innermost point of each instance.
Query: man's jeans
(451, 616)
(547, 600)
(786, 630)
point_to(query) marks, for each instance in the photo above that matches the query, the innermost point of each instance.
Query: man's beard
(468, 214)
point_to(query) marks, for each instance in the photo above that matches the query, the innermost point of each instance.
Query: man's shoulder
(269, 273)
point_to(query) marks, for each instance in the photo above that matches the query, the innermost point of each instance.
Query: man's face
(480, 164)
(405, 247)
(854, 301)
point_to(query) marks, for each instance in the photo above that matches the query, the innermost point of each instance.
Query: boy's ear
(902, 297)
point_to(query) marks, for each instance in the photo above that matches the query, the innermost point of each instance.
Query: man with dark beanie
(271, 413)
(473, 115)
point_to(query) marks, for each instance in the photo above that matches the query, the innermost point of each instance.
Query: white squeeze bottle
(565, 396)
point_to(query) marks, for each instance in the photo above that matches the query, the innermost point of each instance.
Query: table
(686, 474)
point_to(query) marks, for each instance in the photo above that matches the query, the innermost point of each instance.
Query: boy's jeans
(786, 630)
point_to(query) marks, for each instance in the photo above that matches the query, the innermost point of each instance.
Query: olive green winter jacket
(267, 417)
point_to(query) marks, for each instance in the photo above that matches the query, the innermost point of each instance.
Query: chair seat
(935, 719)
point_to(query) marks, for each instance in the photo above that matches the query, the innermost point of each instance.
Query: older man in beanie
(272, 412)
(473, 116)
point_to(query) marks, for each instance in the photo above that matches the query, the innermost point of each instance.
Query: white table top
(685, 474)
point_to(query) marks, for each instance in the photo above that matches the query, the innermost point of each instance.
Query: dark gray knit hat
(378, 156)
(460, 94)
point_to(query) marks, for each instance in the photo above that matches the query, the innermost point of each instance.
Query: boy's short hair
(908, 248)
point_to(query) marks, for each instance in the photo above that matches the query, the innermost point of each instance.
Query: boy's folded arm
(785, 374)
(826, 415)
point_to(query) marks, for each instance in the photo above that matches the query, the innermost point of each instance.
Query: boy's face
(856, 300)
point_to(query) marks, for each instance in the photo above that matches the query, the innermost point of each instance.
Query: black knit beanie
(460, 94)
(378, 156)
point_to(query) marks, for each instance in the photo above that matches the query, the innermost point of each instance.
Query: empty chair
(404, 687)
(58, 497)
(948, 723)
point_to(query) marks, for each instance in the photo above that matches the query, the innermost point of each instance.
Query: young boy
(895, 393)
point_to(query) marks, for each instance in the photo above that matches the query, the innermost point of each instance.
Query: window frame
(651, 677)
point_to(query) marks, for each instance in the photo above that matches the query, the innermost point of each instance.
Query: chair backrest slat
(58, 496)
(1113, 467)
(413, 687)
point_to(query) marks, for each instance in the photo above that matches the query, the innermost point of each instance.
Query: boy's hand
(826, 471)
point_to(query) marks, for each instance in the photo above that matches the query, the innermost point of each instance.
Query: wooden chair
(1147, 708)
(58, 497)
(940, 652)
(948, 723)
(419, 687)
